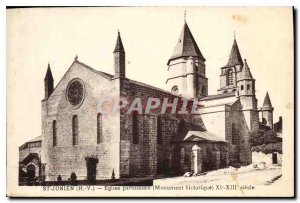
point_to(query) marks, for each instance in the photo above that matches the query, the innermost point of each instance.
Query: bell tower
(267, 112)
(186, 67)
(231, 71)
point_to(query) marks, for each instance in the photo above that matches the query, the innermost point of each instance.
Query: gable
(79, 69)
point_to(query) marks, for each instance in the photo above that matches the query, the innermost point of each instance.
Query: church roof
(235, 56)
(202, 136)
(267, 101)
(106, 75)
(39, 138)
(119, 45)
(109, 76)
(246, 73)
(186, 45)
(29, 158)
(218, 96)
(49, 73)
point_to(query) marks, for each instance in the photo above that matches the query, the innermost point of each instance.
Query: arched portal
(31, 172)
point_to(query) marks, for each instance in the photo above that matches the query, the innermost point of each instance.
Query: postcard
(150, 101)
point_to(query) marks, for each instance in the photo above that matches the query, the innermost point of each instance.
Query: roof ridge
(107, 75)
(218, 96)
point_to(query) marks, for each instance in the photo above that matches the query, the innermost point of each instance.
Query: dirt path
(254, 177)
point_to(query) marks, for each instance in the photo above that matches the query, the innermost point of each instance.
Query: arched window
(159, 129)
(242, 87)
(234, 135)
(75, 129)
(99, 128)
(180, 127)
(175, 89)
(229, 77)
(248, 87)
(203, 90)
(135, 128)
(54, 133)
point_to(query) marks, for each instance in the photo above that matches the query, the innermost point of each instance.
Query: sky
(36, 37)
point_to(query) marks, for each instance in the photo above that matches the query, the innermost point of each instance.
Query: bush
(73, 178)
(269, 148)
(235, 165)
(264, 137)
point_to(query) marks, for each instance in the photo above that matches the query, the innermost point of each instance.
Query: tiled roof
(203, 135)
(39, 138)
(267, 101)
(246, 73)
(48, 73)
(186, 45)
(29, 158)
(119, 45)
(106, 75)
(218, 96)
(235, 56)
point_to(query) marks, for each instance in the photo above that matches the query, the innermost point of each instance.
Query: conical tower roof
(246, 73)
(235, 56)
(48, 74)
(119, 45)
(267, 101)
(186, 45)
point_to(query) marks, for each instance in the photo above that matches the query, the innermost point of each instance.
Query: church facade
(138, 144)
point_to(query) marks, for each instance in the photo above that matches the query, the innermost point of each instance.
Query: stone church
(132, 145)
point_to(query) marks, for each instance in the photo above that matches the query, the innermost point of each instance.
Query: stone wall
(268, 117)
(259, 157)
(176, 75)
(147, 157)
(239, 148)
(66, 158)
(213, 156)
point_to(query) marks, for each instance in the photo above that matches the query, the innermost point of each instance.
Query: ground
(247, 176)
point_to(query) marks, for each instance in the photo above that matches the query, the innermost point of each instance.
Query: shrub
(73, 178)
(235, 165)
(264, 137)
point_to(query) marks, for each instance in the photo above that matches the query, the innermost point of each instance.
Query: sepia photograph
(150, 101)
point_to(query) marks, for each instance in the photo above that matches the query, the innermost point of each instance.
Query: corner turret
(267, 112)
(119, 58)
(48, 82)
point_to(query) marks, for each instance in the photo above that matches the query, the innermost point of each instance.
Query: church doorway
(274, 158)
(31, 172)
(91, 167)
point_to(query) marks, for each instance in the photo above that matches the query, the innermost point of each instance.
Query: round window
(75, 92)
